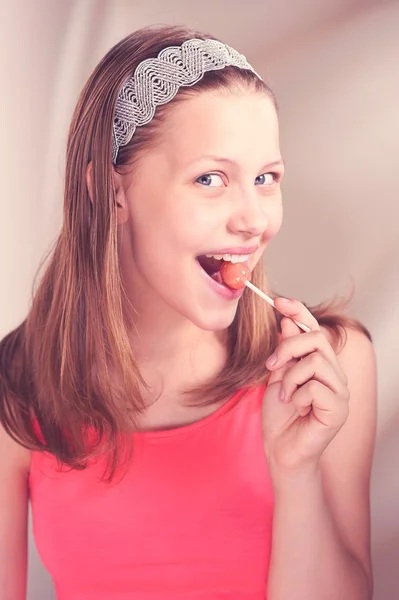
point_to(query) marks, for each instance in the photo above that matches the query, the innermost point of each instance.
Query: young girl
(177, 439)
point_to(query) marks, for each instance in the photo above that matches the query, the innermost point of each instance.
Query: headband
(156, 81)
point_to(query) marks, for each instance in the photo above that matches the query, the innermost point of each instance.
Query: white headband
(156, 81)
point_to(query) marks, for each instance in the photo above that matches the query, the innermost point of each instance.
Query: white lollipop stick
(253, 287)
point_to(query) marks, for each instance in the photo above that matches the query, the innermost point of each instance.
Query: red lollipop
(235, 275)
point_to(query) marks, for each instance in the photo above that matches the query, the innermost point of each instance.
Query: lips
(217, 285)
(212, 261)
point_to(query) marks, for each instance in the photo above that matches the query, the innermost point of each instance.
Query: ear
(121, 201)
(120, 196)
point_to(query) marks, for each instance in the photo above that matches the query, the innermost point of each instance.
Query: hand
(306, 400)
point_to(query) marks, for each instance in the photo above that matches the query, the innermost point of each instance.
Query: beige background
(334, 67)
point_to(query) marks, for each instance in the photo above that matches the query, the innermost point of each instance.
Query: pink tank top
(191, 519)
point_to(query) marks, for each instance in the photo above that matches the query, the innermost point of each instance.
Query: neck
(174, 355)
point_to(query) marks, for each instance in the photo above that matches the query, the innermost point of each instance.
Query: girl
(176, 438)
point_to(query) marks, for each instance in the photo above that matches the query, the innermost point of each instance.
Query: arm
(14, 468)
(321, 531)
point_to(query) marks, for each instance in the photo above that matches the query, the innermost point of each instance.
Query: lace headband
(156, 81)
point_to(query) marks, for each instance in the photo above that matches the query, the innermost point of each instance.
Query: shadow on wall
(385, 514)
(386, 559)
(337, 96)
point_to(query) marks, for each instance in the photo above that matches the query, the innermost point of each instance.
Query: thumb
(288, 329)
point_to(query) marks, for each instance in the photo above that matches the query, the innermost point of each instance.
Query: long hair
(69, 370)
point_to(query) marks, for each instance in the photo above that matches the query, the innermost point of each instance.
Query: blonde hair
(55, 368)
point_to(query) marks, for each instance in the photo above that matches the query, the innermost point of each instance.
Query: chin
(215, 322)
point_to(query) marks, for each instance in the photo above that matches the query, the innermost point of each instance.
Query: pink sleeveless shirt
(191, 519)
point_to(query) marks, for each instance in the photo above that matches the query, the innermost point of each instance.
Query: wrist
(295, 480)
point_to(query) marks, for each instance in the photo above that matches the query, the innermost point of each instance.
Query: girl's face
(211, 185)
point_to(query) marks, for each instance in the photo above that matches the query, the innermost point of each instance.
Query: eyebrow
(276, 163)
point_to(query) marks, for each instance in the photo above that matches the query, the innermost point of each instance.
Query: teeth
(233, 258)
(217, 256)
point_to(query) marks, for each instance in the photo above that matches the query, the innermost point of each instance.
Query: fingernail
(282, 395)
(271, 360)
(285, 300)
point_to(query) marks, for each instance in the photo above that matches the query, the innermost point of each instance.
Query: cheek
(274, 222)
(163, 234)
(188, 225)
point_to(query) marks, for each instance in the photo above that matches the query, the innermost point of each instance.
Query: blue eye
(266, 179)
(208, 180)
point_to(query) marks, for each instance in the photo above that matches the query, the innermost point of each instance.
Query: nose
(249, 217)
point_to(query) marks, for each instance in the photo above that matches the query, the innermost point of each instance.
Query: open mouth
(211, 266)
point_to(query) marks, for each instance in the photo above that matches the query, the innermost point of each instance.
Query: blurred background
(333, 65)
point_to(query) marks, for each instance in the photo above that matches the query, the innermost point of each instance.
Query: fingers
(294, 347)
(326, 407)
(313, 367)
(288, 330)
(297, 311)
(302, 345)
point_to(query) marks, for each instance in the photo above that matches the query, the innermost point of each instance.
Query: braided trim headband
(156, 81)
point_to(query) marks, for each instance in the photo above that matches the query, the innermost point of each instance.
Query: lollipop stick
(267, 298)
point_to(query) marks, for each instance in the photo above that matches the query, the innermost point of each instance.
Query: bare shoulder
(358, 361)
(356, 356)
(13, 457)
(357, 349)
(14, 498)
(346, 463)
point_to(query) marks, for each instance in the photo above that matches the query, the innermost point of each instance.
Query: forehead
(240, 126)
